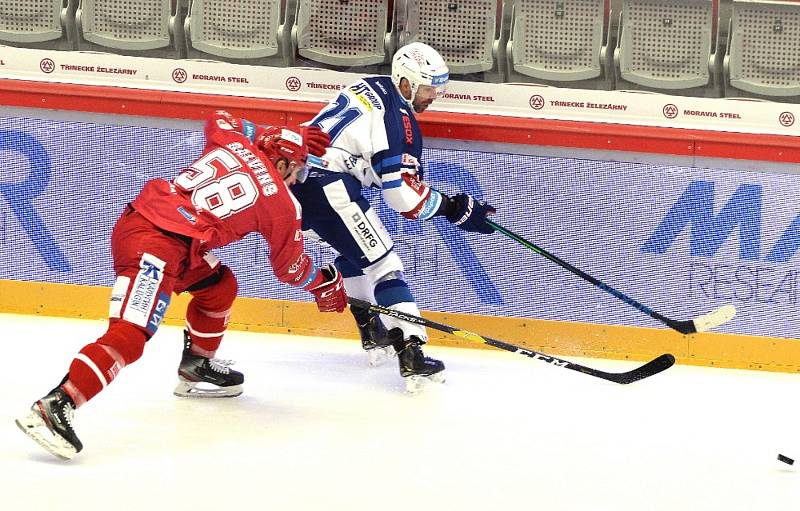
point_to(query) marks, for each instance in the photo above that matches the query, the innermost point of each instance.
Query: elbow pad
(411, 197)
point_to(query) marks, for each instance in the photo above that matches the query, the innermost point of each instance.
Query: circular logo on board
(536, 102)
(179, 75)
(293, 83)
(670, 111)
(786, 118)
(47, 66)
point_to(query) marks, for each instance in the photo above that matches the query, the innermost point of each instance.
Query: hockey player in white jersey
(376, 142)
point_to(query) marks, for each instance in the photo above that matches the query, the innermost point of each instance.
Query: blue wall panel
(681, 240)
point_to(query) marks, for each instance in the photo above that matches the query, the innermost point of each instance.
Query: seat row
(673, 46)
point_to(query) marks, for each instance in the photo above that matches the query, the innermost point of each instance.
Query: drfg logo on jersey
(743, 280)
(363, 230)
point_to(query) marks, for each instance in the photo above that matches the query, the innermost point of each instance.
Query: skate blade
(194, 390)
(416, 383)
(379, 356)
(34, 426)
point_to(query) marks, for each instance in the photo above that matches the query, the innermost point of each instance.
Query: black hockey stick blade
(655, 366)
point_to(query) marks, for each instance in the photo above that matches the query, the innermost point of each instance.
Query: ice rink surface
(318, 429)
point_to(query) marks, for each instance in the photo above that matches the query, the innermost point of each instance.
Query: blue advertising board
(681, 240)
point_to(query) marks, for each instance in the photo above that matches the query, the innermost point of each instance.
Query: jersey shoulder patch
(382, 87)
(370, 100)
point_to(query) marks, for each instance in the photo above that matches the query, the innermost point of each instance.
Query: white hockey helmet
(420, 65)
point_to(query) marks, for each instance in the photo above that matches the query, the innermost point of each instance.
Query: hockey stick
(655, 366)
(701, 323)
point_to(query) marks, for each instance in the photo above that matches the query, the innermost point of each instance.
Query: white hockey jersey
(376, 139)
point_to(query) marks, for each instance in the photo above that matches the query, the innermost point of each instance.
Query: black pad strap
(208, 281)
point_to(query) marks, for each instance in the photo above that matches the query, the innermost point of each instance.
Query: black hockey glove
(467, 213)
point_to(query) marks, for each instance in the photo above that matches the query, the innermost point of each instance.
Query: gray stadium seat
(133, 27)
(352, 34)
(44, 24)
(668, 46)
(763, 56)
(465, 33)
(253, 32)
(560, 42)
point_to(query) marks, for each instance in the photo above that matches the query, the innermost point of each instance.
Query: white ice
(317, 429)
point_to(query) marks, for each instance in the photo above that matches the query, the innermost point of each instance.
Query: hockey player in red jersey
(161, 244)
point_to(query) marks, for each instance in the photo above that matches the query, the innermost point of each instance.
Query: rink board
(683, 240)
(551, 337)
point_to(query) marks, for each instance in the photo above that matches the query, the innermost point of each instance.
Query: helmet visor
(439, 82)
(426, 93)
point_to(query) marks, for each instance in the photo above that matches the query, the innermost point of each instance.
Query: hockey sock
(208, 313)
(97, 364)
(395, 294)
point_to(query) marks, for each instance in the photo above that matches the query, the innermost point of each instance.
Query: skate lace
(69, 413)
(220, 366)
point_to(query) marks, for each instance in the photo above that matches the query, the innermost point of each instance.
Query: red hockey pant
(150, 264)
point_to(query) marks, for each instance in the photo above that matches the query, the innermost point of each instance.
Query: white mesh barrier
(127, 24)
(765, 48)
(30, 21)
(463, 32)
(558, 39)
(666, 43)
(343, 33)
(235, 28)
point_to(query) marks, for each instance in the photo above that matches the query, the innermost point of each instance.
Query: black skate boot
(206, 377)
(50, 424)
(415, 367)
(374, 337)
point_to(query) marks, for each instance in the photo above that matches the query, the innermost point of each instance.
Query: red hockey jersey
(227, 193)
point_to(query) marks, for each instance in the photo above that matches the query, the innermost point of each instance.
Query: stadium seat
(355, 34)
(465, 33)
(134, 27)
(763, 54)
(668, 46)
(252, 32)
(43, 24)
(560, 42)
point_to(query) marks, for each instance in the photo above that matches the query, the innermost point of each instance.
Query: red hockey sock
(208, 314)
(97, 364)
(206, 329)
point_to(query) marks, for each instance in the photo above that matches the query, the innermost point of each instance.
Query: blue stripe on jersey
(431, 205)
(388, 162)
(397, 183)
(392, 292)
(310, 279)
(249, 129)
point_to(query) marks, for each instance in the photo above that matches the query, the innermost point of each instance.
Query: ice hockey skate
(374, 338)
(417, 369)
(49, 423)
(206, 377)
